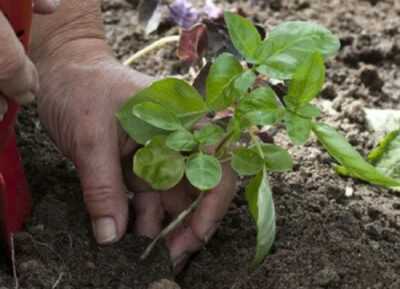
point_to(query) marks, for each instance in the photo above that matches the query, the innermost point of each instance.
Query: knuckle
(87, 140)
(101, 193)
(89, 137)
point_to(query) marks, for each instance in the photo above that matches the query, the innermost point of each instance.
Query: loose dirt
(326, 238)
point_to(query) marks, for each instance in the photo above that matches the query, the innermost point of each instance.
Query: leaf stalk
(181, 217)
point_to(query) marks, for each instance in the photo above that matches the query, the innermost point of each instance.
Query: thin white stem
(155, 45)
(58, 280)
(13, 261)
(182, 216)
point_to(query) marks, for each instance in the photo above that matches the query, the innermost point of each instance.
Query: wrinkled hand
(78, 104)
(18, 76)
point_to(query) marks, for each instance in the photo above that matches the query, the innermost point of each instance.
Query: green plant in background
(164, 118)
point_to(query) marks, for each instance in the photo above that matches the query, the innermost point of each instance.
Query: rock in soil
(164, 284)
(326, 277)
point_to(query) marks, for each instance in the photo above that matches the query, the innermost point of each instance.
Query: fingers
(3, 107)
(98, 164)
(45, 6)
(146, 203)
(19, 79)
(149, 214)
(149, 206)
(214, 206)
(204, 221)
(176, 200)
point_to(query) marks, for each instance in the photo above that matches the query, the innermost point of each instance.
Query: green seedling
(165, 116)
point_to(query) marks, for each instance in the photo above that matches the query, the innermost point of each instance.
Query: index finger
(205, 220)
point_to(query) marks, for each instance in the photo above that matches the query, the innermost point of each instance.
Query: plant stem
(173, 225)
(155, 45)
(223, 142)
(256, 141)
(226, 160)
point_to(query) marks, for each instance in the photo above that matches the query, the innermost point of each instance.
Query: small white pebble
(164, 284)
(349, 192)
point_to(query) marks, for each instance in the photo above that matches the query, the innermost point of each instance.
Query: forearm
(58, 36)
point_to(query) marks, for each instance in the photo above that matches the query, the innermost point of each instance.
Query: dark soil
(325, 239)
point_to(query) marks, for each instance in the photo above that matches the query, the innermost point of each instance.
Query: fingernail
(3, 108)
(180, 262)
(105, 230)
(55, 3)
(25, 98)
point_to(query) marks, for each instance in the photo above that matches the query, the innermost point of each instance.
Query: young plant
(165, 118)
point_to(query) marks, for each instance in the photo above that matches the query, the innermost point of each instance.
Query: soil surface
(333, 232)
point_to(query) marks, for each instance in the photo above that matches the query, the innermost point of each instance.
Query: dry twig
(13, 261)
(58, 280)
(155, 45)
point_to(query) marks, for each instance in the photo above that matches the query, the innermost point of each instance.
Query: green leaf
(261, 107)
(244, 35)
(235, 126)
(180, 98)
(181, 140)
(308, 111)
(298, 128)
(276, 159)
(243, 82)
(246, 162)
(279, 71)
(203, 171)
(386, 156)
(156, 115)
(383, 145)
(174, 95)
(338, 147)
(209, 134)
(222, 72)
(261, 204)
(158, 165)
(137, 129)
(288, 44)
(239, 86)
(307, 81)
(343, 171)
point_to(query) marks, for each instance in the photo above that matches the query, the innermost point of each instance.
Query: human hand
(82, 88)
(18, 76)
(77, 104)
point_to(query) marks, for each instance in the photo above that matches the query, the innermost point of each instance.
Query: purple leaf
(184, 14)
(193, 43)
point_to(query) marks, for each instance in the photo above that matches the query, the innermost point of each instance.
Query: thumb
(99, 168)
(45, 6)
